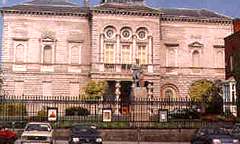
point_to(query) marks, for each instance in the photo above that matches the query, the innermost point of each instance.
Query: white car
(37, 133)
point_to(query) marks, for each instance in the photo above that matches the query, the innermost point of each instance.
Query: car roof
(39, 123)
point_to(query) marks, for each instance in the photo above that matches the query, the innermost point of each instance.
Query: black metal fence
(16, 111)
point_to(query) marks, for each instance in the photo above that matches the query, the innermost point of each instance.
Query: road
(117, 142)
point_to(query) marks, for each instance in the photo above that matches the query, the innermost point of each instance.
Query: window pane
(47, 54)
(74, 89)
(19, 55)
(109, 53)
(47, 89)
(142, 54)
(75, 55)
(19, 88)
(220, 61)
(171, 58)
(196, 59)
(126, 54)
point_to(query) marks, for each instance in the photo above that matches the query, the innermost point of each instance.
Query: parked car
(82, 134)
(183, 114)
(37, 132)
(235, 132)
(7, 136)
(213, 135)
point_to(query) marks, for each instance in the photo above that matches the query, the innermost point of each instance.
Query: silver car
(37, 133)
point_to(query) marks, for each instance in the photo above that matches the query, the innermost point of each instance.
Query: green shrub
(77, 111)
(13, 109)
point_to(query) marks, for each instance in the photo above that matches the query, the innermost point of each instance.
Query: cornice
(48, 13)
(125, 12)
(196, 20)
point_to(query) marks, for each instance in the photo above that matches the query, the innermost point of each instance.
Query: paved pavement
(117, 142)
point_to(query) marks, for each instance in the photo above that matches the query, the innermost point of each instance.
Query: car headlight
(216, 141)
(23, 138)
(99, 140)
(236, 141)
(75, 139)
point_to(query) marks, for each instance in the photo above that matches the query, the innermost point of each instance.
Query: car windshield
(236, 129)
(213, 131)
(83, 129)
(38, 127)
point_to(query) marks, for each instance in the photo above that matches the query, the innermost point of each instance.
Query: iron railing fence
(16, 111)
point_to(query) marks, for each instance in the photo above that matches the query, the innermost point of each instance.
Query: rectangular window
(47, 89)
(126, 54)
(109, 53)
(231, 63)
(171, 57)
(19, 88)
(19, 54)
(74, 89)
(142, 55)
(75, 55)
(47, 54)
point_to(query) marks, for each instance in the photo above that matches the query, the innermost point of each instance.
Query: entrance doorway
(125, 96)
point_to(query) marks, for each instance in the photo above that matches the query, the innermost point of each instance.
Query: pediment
(196, 44)
(48, 36)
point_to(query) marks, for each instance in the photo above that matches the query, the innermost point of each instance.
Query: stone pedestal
(139, 107)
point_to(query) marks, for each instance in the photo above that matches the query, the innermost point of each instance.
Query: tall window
(19, 88)
(126, 54)
(142, 55)
(220, 63)
(171, 58)
(109, 53)
(195, 59)
(75, 55)
(47, 54)
(231, 63)
(47, 89)
(19, 54)
(74, 89)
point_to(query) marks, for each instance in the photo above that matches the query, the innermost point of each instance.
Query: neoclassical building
(54, 47)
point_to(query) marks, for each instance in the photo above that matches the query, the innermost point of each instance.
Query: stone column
(117, 92)
(150, 50)
(150, 55)
(134, 50)
(118, 50)
(101, 55)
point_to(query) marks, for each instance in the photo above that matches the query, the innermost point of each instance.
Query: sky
(225, 7)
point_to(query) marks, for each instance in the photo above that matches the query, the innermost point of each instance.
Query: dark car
(82, 134)
(235, 132)
(7, 136)
(213, 135)
(184, 114)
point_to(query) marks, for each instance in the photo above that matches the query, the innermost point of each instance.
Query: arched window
(220, 60)
(169, 91)
(195, 59)
(75, 55)
(47, 54)
(19, 55)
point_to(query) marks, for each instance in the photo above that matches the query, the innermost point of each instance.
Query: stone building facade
(54, 48)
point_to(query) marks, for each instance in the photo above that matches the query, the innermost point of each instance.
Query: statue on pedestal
(136, 73)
